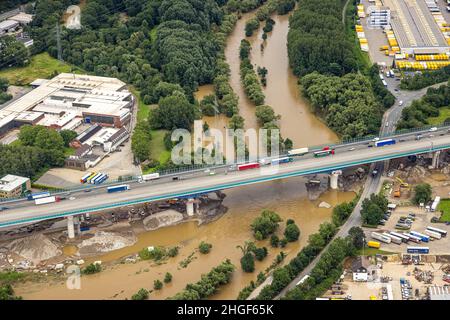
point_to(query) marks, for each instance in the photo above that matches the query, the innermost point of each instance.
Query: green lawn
(372, 251)
(41, 66)
(444, 207)
(444, 113)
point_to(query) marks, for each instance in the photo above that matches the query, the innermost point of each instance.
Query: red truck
(246, 166)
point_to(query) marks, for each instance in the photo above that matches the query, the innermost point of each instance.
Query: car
(88, 190)
(375, 139)
(432, 129)
(431, 135)
(418, 137)
(72, 198)
(400, 103)
(396, 90)
(387, 124)
(351, 149)
(448, 8)
(3, 208)
(175, 178)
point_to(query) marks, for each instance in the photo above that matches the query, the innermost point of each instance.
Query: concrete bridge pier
(190, 207)
(435, 159)
(77, 225)
(334, 177)
(70, 227)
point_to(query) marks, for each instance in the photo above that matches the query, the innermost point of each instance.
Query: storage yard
(415, 34)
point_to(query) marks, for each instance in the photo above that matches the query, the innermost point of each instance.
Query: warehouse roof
(8, 24)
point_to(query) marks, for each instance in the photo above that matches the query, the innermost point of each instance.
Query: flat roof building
(439, 293)
(12, 186)
(414, 26)
(8, 26)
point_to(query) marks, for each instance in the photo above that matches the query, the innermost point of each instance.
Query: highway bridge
(189, 183)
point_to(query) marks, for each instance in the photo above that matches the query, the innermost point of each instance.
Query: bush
(168, 277)
(172, 252)
(157, 285)
(92, 268)
(142, 294)
(292, 232)
(204, 247)
(274, 241)
(266, 224)
(260, 253)
(422, 193)
(248, 263)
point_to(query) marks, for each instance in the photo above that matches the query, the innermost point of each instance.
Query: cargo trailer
(394, 239)
(422, 237)
(246, 166)
(442, 232)
(298, 152)
(379, 236)
(404, 238)
(38, 195)
(422, 250)
(434, 235)
(122, 187)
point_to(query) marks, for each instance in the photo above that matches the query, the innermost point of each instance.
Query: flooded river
(287, 197)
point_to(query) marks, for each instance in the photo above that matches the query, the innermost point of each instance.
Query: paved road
(26, 211)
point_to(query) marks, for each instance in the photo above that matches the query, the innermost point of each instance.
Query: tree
(236, 122)
(422, 193)
(142, 294)
(204, 247)
(248, 262)
(373, 209)
(265, 114)
(274, 241)
(260, 253)
(357, 237)
(341, 212)
(292, 232)
(174, 112)
(251, 26)
(266, 224)
(168, 277)
(68, 136)
(157, 284)
(13, 53)
(92, 268)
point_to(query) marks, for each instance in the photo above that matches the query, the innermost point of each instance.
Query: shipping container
(246, 166)
(298, 152)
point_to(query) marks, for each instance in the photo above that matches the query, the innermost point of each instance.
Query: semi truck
(247, 166)
(281, 160)
(34, 196)
(422, 250)
(323, 153)
(373, 244)
(298, 152)
(46, 200)
(122, 187)
(148, 177)
(385, 142)
(381, 237)
(412, 238)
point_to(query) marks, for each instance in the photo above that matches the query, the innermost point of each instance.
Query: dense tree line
(419, 80)
(382, 94)
(249, 78)
(209, 283)
(325, 273)
(346, 103)
(416, 115)
(244, 5)
(39, 148)
(11, 4)
(4, 96)
(317, 40)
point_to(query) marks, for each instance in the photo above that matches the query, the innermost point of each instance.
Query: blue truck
(34, 196)
(422, 250)
(385, 142)
(122, 187)
(281, 160)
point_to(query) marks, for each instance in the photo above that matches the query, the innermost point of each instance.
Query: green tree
(204, 247)
(68, 136)
(266, 224)
(422, 193)
(157, 284)
(248, 262)
(168, 277)
(292, 232)
(142, 294)
(357, 237)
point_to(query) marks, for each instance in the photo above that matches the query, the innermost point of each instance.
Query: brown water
(122, 280)
(282, 93)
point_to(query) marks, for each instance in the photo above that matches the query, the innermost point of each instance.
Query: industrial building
(439, 293)
(69, 100)
(12, 186)
(415, 28)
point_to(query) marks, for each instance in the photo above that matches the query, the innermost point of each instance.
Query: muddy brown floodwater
(287, 197)
(297, 121)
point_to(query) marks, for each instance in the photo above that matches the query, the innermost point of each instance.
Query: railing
(192, 169)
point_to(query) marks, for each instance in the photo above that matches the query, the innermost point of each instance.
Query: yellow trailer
(373, 244)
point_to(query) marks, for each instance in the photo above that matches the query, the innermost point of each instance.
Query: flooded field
(287, 197)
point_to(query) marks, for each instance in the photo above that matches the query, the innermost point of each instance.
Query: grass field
(444, 113)
(444, 207)
(372, 251)
(41, 66)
